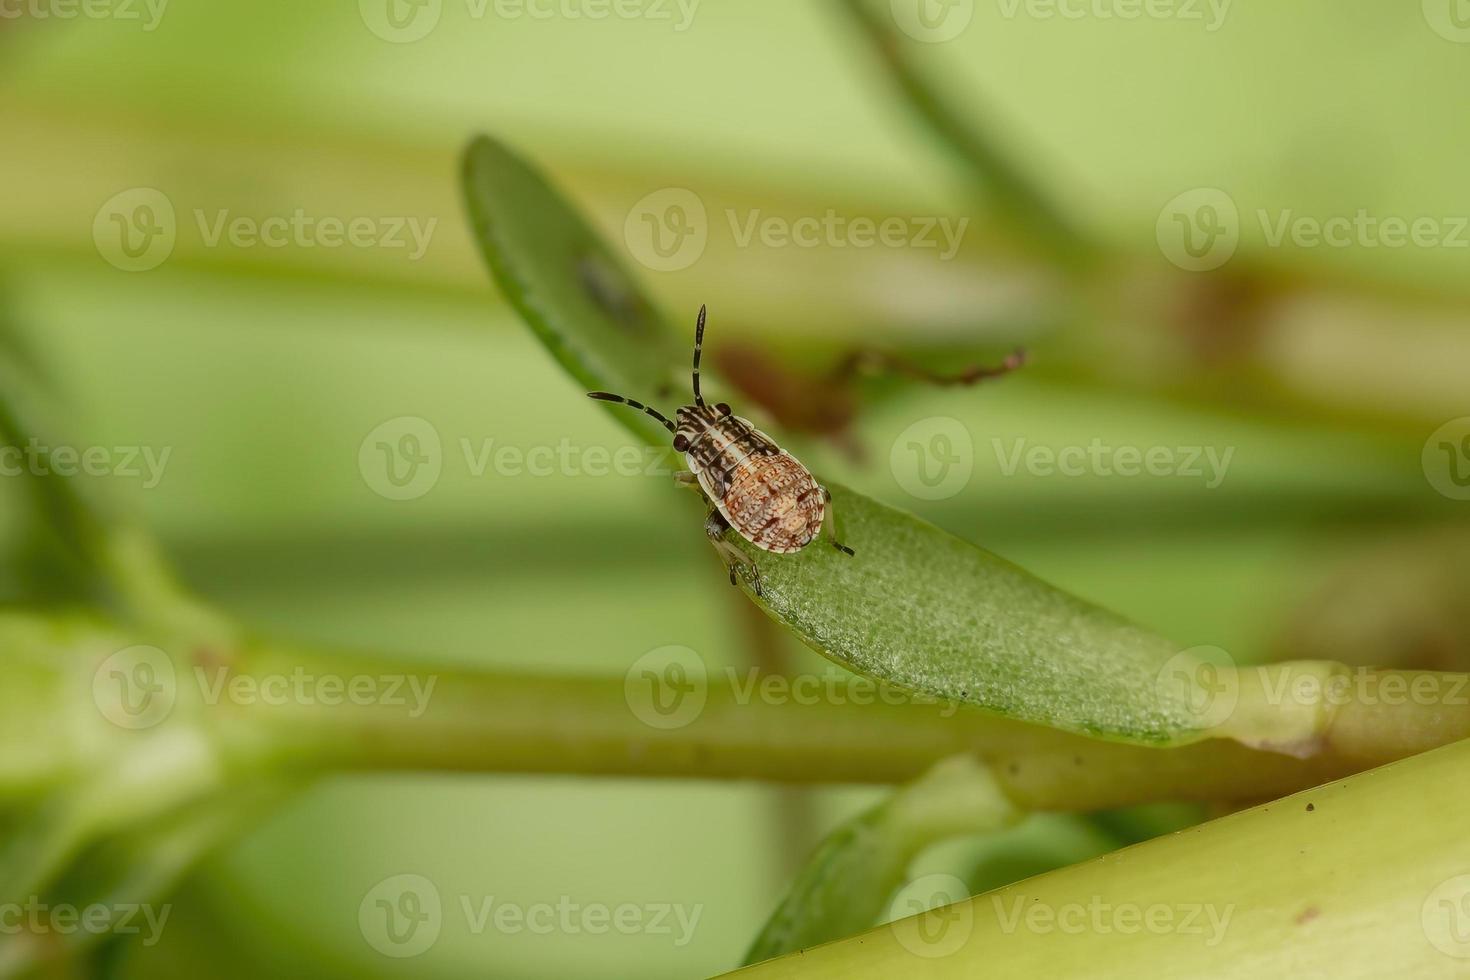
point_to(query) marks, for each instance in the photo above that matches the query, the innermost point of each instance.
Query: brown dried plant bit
(752, 485)
(827, 404)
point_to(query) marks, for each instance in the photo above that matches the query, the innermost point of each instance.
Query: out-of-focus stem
(511, 723)
(1027, 212)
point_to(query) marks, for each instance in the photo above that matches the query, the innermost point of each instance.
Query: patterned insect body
(752, 484)
(762, 491)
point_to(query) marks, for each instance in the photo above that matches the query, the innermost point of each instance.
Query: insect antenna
(604, 396)
(698, 346)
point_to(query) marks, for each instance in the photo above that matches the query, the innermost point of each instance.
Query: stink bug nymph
(751, 484)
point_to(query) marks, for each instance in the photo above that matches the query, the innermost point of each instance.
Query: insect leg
(715, 527)
(687, 480)
(829, 524)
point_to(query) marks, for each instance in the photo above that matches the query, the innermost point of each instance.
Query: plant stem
(513, 723)
(1345, 880)
(1029, 214)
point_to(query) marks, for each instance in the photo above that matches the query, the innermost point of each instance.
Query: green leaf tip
(569, 286)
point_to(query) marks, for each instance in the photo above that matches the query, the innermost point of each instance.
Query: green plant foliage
(567, 284)
(915, 607)
(854, 872)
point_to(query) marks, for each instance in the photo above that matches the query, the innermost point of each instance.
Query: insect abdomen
(766, 495)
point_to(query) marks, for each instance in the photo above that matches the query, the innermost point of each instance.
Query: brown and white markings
(752, 484)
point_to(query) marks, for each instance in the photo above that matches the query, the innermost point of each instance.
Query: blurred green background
(263, 370)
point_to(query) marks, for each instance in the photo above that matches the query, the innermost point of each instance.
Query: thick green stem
(494, 722)
(1346, 880)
